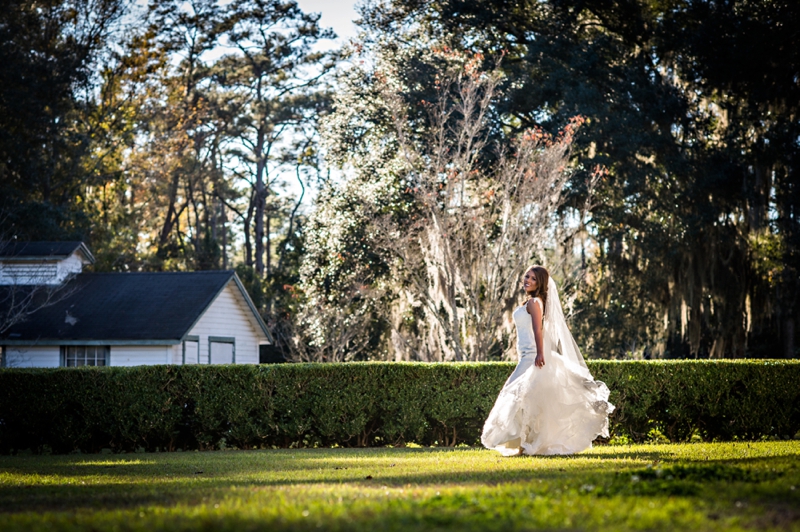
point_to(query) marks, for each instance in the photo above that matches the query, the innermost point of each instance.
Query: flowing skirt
(557, 409)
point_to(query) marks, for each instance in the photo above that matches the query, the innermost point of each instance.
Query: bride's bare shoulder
(531, 302)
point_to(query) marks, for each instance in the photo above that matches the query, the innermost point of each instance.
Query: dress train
(556, 409)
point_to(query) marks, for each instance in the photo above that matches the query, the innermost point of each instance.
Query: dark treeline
(162, 143)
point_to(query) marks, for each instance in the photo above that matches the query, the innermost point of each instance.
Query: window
(221, 350)
(84, 355)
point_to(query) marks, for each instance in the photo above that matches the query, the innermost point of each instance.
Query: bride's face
(529, 283)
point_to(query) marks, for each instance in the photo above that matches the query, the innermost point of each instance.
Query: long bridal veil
(557, 336)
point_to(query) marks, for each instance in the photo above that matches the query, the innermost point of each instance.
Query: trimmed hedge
(364, 404)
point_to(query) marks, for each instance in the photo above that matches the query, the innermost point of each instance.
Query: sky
(339, 16)
(336, 14)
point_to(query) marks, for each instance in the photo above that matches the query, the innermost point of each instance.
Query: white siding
(228, 317)
(141, 355)
(24, 273)
(39, 272)
(33, 357)
(72, 265)
(176, 354)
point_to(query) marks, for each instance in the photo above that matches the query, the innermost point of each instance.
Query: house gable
(228, 322)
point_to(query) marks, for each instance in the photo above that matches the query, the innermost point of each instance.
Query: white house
(41, 263)
(121, 319)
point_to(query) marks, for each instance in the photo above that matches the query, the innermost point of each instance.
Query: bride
(550, 404)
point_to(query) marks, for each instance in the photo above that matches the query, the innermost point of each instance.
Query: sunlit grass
(721, 486)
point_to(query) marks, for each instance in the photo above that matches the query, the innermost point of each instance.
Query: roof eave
(72, 341)
(52, 258)
(35, 258)
(86, 252)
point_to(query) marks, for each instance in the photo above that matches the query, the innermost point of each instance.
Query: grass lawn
(719, 486)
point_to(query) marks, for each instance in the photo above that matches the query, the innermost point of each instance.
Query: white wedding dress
(556, 409)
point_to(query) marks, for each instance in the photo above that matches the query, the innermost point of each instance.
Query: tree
(691, 107)
(480, 223)
(186, 124)
(171, 163)
(48, 51)
(185, 179)
(271, 78)
(338, 304)
(436, 225)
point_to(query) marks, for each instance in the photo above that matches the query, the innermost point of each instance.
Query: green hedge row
(364, 404)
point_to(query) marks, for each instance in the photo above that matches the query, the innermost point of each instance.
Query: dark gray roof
(123, 306)
(11, 249)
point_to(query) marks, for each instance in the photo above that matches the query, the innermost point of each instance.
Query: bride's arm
(534, 308)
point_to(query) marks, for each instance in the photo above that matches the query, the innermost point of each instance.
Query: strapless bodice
(526, 343)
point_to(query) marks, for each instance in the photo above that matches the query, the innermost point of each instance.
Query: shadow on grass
(170, 468)
(118, 482)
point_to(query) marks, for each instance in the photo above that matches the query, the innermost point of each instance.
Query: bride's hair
(542, 280)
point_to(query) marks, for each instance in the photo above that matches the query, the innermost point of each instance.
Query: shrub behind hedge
(363, 404)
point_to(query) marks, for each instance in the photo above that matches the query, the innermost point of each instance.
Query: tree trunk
(169, 219)
(269, 245)
(248, 245)
(759, 198)
(211, 219)
(198, 242)
(259, 199)
(223, 217)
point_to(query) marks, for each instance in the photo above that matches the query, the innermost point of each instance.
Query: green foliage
(252, 283)
(48, 128)
(722, 400)
(368, 404)
(698, 131)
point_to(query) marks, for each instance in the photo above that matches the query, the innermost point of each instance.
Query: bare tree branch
(480, 224)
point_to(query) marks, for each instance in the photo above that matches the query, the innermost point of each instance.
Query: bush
(366, 404)
(717, 400)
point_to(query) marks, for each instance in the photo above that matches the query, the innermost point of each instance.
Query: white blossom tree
(444, 213)
(481, 220)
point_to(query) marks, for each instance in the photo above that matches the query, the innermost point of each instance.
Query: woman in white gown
(550, 404)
